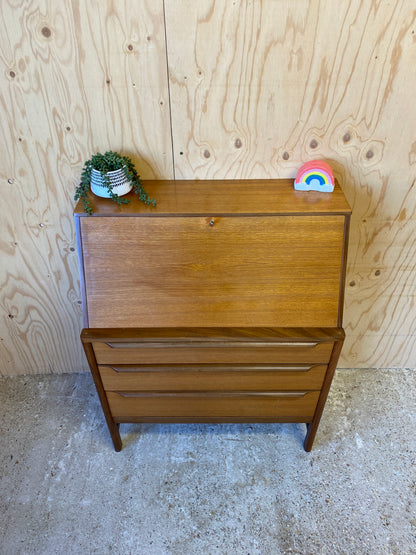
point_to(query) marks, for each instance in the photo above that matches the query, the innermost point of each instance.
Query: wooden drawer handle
(215, 394)
(213, 344)
(257, 368)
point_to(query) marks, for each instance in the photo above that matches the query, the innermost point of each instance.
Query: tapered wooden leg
(312, 427)
(115, 435)
(113, 427)
(310, 435)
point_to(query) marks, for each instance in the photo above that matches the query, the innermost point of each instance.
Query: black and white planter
(119, 182)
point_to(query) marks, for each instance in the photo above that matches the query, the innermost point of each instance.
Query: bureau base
(233, 375)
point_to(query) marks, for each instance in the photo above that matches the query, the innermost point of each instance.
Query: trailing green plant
(104, 163)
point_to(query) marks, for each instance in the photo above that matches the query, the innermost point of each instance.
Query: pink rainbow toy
(315, 176)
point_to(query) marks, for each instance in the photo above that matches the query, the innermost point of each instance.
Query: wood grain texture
(76, 77)
(286, 82)
(113, 428)
(222, 197)
(312, 428)
(209, 378)
(221, 271)
(281, 407)
(228, 354)
(256, 88)
(168, 335)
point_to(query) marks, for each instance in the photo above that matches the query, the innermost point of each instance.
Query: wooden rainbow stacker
(221, 304)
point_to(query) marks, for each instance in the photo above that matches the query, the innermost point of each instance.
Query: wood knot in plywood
(373, 152)
(403, 215)
(46, 32)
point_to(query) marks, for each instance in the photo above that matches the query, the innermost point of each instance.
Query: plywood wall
(76, 78)
(210, 89)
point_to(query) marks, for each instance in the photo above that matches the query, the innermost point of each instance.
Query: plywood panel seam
(168, 90)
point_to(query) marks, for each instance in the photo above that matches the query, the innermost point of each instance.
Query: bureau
(221, 304)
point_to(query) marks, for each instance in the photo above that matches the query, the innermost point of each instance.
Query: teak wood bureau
(221, 304)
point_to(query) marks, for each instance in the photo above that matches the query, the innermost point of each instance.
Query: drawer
(205, 352)
(214, 406)
(209, 378)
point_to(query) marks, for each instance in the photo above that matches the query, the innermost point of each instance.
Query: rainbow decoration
(315, 176)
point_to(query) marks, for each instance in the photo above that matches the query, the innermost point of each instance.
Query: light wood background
(209, 89)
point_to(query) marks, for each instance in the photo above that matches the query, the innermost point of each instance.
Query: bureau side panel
(218, 271)
(81, 272)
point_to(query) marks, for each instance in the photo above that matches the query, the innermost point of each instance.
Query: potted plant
(110, 175)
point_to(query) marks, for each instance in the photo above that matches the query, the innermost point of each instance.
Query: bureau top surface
(223, 197)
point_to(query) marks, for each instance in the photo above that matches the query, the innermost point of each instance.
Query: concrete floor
(212, 489)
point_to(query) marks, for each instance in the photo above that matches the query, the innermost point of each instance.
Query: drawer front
(194, 378)
(235, 271)
(212, 353)
(271, 406)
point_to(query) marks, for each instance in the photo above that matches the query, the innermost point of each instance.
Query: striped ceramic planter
(119, 183)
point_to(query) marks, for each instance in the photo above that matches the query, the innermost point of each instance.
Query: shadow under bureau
(221, 304)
